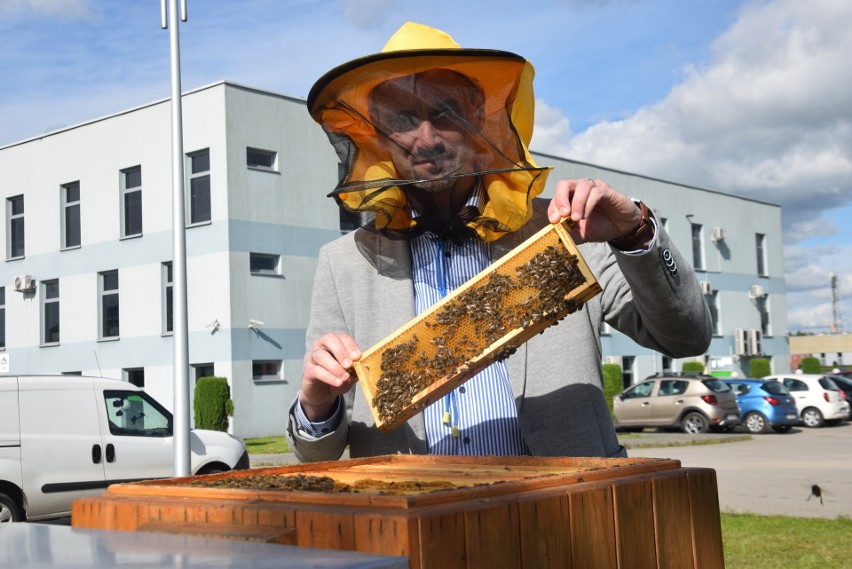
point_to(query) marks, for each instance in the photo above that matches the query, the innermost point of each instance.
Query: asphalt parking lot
(771, 474)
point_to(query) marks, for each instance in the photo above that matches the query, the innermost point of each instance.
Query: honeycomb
(534, 286)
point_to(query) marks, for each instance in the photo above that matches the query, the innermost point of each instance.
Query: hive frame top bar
(423, 336)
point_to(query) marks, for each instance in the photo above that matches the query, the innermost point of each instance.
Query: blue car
(764, 404)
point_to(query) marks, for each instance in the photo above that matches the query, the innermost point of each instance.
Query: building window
(50, 312)
(168, 299)
(262, 264)
(199, 187)
(712, 303)
(697, 247)
(109, 304)
(760, 249)
(135, 376)
(70, 197)
(628, 363)
(763, 307)
(262, 159)
(266, 370)
(2, 317)
(131, 202)
(15, 227)
(202, 370)
(667, 364)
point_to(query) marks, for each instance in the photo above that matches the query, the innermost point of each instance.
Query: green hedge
(810, 365)
(212, 404)
(613, 383)
(759, 367)
(692, 367)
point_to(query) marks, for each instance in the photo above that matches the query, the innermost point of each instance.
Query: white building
(86, 284)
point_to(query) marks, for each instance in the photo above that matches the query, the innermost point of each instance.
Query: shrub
(212, 404)
(692, 367)
(811, 365)
(759, 368)
(613, 383)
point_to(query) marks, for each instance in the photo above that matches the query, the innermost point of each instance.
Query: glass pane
(72, 193)
(51, 289)
(72, 226)
(109, 311)
(2, 327)
(199, 199)
(169, 309)
(264, 369)
(17, 205)
(133, 178)
(133, 213)
(51, 323)
(263, 263)
(200, 162)
(2, 295)
(260, 158)
(110, 280)
(16, 248)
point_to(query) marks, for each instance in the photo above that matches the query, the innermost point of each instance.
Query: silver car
(692, 403)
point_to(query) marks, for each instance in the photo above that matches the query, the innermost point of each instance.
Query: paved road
(773, 473)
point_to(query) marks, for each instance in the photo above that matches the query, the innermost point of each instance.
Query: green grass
(779, 542)
(267, 445)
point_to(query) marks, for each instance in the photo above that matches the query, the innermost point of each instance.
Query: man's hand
(327, 374)
(601, 213)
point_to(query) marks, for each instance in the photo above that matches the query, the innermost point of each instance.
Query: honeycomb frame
(429, 345)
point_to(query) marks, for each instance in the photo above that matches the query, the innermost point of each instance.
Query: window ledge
(199, 224)
(262, 169)
(49, 345)
(268, 275)
(134, 236)
(72, 248)
(16, 258)
(110, 339)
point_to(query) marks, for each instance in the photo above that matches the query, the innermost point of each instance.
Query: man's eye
(401, 122)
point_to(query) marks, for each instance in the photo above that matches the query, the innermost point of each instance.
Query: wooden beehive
(535, 285)
(512, 512)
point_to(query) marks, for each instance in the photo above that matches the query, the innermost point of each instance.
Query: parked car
(818, 399)
(690, 402)
(66, 437)
(844, 382)
(764, 404)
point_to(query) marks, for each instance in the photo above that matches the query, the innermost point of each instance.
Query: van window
(135, 414)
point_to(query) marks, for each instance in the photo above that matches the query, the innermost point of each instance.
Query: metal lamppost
(180, 338)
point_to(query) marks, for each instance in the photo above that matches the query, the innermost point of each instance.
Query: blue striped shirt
(481, 416)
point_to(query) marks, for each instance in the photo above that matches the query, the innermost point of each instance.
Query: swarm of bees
(465, 327)
(323, 484)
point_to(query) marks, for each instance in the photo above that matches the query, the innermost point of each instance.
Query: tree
(212, 404)
(613, 383)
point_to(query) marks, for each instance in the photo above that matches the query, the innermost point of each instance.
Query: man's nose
(426, 135)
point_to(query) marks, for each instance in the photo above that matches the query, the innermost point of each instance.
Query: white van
(66, 437)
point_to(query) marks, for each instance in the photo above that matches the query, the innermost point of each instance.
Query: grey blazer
(363, 287)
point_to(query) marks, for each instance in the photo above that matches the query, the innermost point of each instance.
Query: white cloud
(61, 9)
(552, 129)
(368, 14)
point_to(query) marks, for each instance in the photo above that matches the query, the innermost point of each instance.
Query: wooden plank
(441, 541)
(592, 527)
(706, 521)
(385, 534)
(634, 523)
(325, 529)
(672, 520)
(545, 528)
(492, 536)
(260, 533)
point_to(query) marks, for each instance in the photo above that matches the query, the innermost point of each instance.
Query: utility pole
(180, 334)
(836, 310)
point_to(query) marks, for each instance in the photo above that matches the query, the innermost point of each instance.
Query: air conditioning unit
(741, 344)
(706, 289)
(24, 283)
(755, 292)
(717, 234)
(755, 342)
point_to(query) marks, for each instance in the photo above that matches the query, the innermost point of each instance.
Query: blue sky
(751, 97)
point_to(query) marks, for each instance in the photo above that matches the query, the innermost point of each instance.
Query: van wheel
(9, 510)
(812, 418)
(694, 424)
(214, 468)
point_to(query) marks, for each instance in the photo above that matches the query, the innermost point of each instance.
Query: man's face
(424, 122)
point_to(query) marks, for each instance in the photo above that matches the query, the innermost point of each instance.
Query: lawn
(780, 542)
(750, 541)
